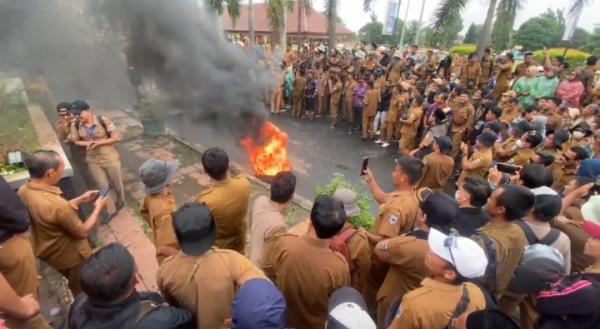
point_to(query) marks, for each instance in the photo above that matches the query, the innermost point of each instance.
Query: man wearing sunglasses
(63, 126)
(570, 163)
(445, 295)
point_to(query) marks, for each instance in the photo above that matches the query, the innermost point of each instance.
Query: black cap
(560, 137)
(79, 106)
(195, 228)
(522, 126)
(534, 139)
(445, 144)
(496, 110)
(441, 211)
(487, 138)
(63, 106)
(495, 126)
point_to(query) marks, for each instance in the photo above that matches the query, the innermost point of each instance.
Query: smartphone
(596, 188)
(103, 192)
(365, 164)
(507, 168)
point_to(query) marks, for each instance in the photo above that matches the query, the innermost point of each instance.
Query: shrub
(366, 219)
(575, 58)
(465, 49)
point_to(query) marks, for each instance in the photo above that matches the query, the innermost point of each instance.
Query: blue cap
(259, 304)
(588, 171)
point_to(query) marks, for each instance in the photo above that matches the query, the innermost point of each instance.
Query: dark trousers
(357, 114)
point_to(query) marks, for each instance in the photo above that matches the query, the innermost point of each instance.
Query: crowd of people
(517, 245)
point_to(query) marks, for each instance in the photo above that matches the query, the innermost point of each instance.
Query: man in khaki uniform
(397, 214)
(371, 100)
(567, 172)
(526, 145)
(158, 205)
(522, 68)
(504, 151)
(470, 73)
(227, 198)
(406, 253)
(201, 278)
(97, 136)
(462, 114)
(349, 85)
(434, 305)
(487, 68)
(63, 126)
(298, 95)
(410, 126)
(438, 165)
(507, 204)
(479, 162)
(335, 95)
(17, 262)
(511, 109)
(307, 271)
(59, 235)
(505, 64)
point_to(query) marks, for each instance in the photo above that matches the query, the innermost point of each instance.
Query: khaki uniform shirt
(105, 154)
(578, 237)
(523, 157)
(395, 73)
(397, 214)
(461, 115)
(487, 68)
(360, 260)
(157, 210)
(483, 159)
(521, 70)
(509, 145)
(205, 285)
(406, 254)
(371, 101)
(299, 84)
(54, 224)
(432, 305)
(509, 116)
(504, 74)
(228, 202)
(271, 240)
(265, 216)
(471, 71)
(563, 177)
(555, 121)
(410, 129)
(337, 93)
(308, 272)
(510, 242)
(438, 167)
(63, 129)
(348, 97)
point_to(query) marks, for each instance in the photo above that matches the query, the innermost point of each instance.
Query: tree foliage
(545, 30)
(473, 33)
(373, 33)
(504, 23)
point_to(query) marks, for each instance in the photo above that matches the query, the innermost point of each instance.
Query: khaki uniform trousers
(348, 114)
(407, 144)
(367, 125)
(298, 106)
(109, 175)
(72, 274)
(457, 138)
(334, 106)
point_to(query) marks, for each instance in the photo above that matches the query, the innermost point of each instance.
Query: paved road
(316, 151)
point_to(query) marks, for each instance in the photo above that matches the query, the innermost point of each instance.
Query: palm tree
(277, 12)
(233, 8)
(331, 10)
(251, 21)
(449, 9)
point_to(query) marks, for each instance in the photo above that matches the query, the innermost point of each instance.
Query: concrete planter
(154, 127)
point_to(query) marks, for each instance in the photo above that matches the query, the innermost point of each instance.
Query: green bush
(575, 58)
(465, 49)
(366, 219)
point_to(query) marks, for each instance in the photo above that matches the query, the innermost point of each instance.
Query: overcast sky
(354, 18)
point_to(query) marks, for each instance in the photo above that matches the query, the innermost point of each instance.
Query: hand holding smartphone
(365, 165)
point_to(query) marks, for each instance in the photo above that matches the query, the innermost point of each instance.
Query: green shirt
(545, 87)
(525, 87)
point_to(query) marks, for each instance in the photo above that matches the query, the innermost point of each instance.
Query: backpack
(540, 265)
(146, 307)
(100, 120)
(339, 243)
(489, 278)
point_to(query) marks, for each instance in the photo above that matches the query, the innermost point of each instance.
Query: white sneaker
(378, 141)
(385, 144)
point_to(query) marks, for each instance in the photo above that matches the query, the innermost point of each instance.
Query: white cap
(348, 310)
(467, 256)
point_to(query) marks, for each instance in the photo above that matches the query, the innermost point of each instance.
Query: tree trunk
(283, 30)
(418, 34)
(332, 23)
(405, 24)
(486, 32)
(299, 30)
(251, 21)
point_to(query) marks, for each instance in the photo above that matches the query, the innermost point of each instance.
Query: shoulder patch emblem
(393, 219)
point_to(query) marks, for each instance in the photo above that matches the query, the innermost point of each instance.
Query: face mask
(520, 144)
(457, 195)
(578, 134)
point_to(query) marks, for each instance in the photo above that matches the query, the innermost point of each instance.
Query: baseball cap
(522, 126)
(259, 304)
(510, 93)
(463, 253)
(195, 228)
(487, 138)
(560, 137)
(591, 215)
(534, 139)
(156, 174)
(79, 106)
(588, 171)
(496, 110)
(445, 144)
(441, 210)
(547, 202)
(63, 106)
(348, 198)
(494, 126)
(348, 310)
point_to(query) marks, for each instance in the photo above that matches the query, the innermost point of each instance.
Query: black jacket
(87, 314)
(470, 219)
(14, 218)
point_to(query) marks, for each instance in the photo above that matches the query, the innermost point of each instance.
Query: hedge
(465, 49)
(575, 58)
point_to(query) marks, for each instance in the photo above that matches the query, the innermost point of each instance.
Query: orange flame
(269, 157)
